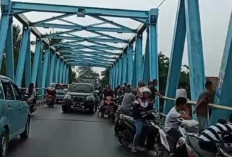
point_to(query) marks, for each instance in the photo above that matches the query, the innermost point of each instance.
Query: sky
(215, 15)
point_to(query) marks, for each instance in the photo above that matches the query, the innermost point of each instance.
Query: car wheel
(26, 132)
(4, 143)
(65, 109)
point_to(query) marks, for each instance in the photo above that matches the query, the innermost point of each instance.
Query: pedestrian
(202, 108)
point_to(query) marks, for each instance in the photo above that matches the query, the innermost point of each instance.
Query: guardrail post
(130, 64)
(22, 56)
(38, 49)
(10, 70)
(176, 56)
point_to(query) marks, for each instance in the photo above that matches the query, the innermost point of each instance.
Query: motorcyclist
(213, 134)
(31, 92)
(171, 127)
(51, 90)
(140, 106)
(127, 102)
(128, 88)
(108, 92)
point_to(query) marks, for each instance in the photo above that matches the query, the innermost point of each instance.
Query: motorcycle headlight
(90, 97)
(68, 97)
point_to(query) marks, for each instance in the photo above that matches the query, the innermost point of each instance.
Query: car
(61, 90)
(14, 114)
(80, 96)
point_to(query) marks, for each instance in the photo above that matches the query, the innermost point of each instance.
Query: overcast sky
(215, 16)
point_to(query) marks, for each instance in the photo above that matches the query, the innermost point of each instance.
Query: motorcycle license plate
(228, 145)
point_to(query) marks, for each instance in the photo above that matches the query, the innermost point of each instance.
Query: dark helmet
(141, 83)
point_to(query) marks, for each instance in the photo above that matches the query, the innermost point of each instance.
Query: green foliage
(72, 75)
(105, 79)
(87, 72)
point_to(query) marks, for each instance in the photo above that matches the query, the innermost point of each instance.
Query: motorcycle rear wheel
(122, 140)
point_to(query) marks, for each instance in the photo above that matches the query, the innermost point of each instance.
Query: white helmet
(52, 84)
(144, 90)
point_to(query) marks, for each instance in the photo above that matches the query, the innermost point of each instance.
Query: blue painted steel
(36, 61)
(54, 70)
(48, 82)
(134, 83)
(176, 56)
(3, 33)
(224, 61)
(67, 77)
(116, 73)
(10, 52)
(124, 67)
(39, 76)
(79, 28)
(27, 66)
(120, 72)
(45, 68)
(57, 70)
(146, 64)
(130, 64)
(22, 57)
(61, 71)
(138, 59)
(53, 18)
(52, 66)
(195, 50)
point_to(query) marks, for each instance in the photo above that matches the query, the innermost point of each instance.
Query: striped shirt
(213, 133)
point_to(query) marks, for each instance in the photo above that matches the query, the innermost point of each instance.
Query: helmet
(141, 83)
(128, 85)
(144, 90)
(52, 84)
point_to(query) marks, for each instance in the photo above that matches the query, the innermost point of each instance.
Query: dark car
(80, 96)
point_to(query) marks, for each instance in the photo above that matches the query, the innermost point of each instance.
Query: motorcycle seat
(193, 142)
(129, 119)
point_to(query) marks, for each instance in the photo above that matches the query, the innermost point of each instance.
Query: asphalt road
(54, 134)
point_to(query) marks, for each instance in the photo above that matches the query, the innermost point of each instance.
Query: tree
(105, 79)
(72, 75)
(86, 72)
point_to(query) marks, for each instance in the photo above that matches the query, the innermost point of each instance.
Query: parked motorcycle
(50, 99)
(186, 127)
(125, 126)
(224, 147)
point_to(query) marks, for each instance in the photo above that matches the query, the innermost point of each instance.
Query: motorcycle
(30, 103)
(50, 100)
(224, 147)
(186, 127)
(125, 127)
(109, 108)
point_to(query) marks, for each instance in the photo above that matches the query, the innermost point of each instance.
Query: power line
(161, 4)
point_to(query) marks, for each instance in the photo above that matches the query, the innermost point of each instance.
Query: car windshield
(81, 88)
(61, 86)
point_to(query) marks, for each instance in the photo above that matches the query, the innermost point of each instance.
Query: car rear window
(81, 88)
(61, 86)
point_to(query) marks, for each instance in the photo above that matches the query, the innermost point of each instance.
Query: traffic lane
(54, 134)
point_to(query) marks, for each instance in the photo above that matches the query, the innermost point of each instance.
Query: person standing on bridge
(202, 108)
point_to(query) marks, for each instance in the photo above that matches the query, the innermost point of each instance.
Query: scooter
(50, 100)
(30, 103)
(186, 127)
(224, 147)
(125, 127)
(109, 107)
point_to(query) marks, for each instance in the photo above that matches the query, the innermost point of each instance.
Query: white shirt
(171, 118)
(181, 93)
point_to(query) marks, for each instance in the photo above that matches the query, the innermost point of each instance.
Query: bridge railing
(40, 94)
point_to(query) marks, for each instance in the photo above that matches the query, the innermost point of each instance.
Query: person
(128, 88)
(108, 92)
(181, 91)
(31, 93)
(154, 91)
(127, 102)
(139, 107)
(116, 91)
(213, 135)
(202, 106)
(51, 89)
(171, 127)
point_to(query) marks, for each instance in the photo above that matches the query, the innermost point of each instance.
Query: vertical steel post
(120, 71)
(61, 71)
(130, 63)
(45, 67)
(48, 82)
(22, 56)
(39, 76)
(63, 75)
(116, 73)
(38, 49)
(5, 19)
(10, 70)
(134, 83)
(138, 59)
(27, 67)
(57, 70)
(195, 50)
(124, 67)
(176, 56)
(146, 65)
(113, 78)
(68, 71)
